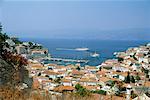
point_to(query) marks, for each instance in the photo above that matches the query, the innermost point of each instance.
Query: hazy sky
(42, 18)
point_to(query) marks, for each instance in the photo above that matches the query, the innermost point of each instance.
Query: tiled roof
(92, 87)
(66, 80)
(76, 72)
(104, 79)
(101, 73)
(49, 72)
(147, 84)
(35, 84)
(64, 88)
(37, 66)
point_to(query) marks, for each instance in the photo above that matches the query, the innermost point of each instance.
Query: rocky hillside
(6, 72)
(12, 66)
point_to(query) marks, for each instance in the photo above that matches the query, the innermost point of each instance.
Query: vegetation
(100, 68)
(127, 78)
(120, 59)
(80, 90)
(17, 71)
(135, 57)
(146, 71)
(9, 93)
(3, 38)
(110, 83)
(58, 80)
(133, 95)
(137, 77)
(78, 68)
(107, 67)
(148, 94)
(100, 92)
(132, 79)
(16, 41)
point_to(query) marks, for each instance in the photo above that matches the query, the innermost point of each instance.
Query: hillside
(7, 71)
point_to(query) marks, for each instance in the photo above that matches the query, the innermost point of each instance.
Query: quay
(67, 60)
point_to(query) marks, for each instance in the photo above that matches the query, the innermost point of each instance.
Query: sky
(72, 19)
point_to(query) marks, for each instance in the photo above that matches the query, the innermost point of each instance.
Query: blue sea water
(105, 48)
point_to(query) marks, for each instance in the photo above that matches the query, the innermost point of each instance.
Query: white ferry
(82, 49)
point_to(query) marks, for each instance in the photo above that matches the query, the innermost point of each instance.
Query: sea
(105, 48)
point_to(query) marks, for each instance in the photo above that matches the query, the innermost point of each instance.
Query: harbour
(67, 60)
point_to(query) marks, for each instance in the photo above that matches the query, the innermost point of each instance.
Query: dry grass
(7, 93)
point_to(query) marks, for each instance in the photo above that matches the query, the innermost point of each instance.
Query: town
(122, 78)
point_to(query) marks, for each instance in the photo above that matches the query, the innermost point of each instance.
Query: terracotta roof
(46, 81)
(92, 87)
(90, 67)
(101, 73)
(140, 55)
(104, 79)
(64, 88)
(52, 64)
(76, 72)
(131, 59)
(35, 84)
(147, 84)
(115, 79)
(121, 73)
(84, 80)
(66, 80)
(49, 72)
(37, 66)
(59, 67)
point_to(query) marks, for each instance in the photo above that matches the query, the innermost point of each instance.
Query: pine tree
(132, 79)
(127, 78)
(137, 77)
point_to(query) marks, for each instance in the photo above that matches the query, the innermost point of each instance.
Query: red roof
(64, 88)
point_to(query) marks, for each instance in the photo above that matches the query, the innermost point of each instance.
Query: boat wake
(76, 49)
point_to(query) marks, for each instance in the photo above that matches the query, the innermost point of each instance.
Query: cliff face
(6, 72)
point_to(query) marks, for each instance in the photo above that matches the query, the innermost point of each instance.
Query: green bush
(100, 92)
(80, 90)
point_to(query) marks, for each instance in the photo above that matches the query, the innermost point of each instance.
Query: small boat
(115, 53)
(95, 55)
(82, 49)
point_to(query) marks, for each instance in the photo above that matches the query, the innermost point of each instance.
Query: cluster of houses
(110, 76)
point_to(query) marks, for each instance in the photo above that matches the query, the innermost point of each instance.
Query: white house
(66, 82)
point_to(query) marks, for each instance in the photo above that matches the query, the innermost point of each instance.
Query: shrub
(132, 79)
(100, 92)
(80, 90)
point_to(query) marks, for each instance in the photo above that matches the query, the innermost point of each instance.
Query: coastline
(124, 76)
(105, 48)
